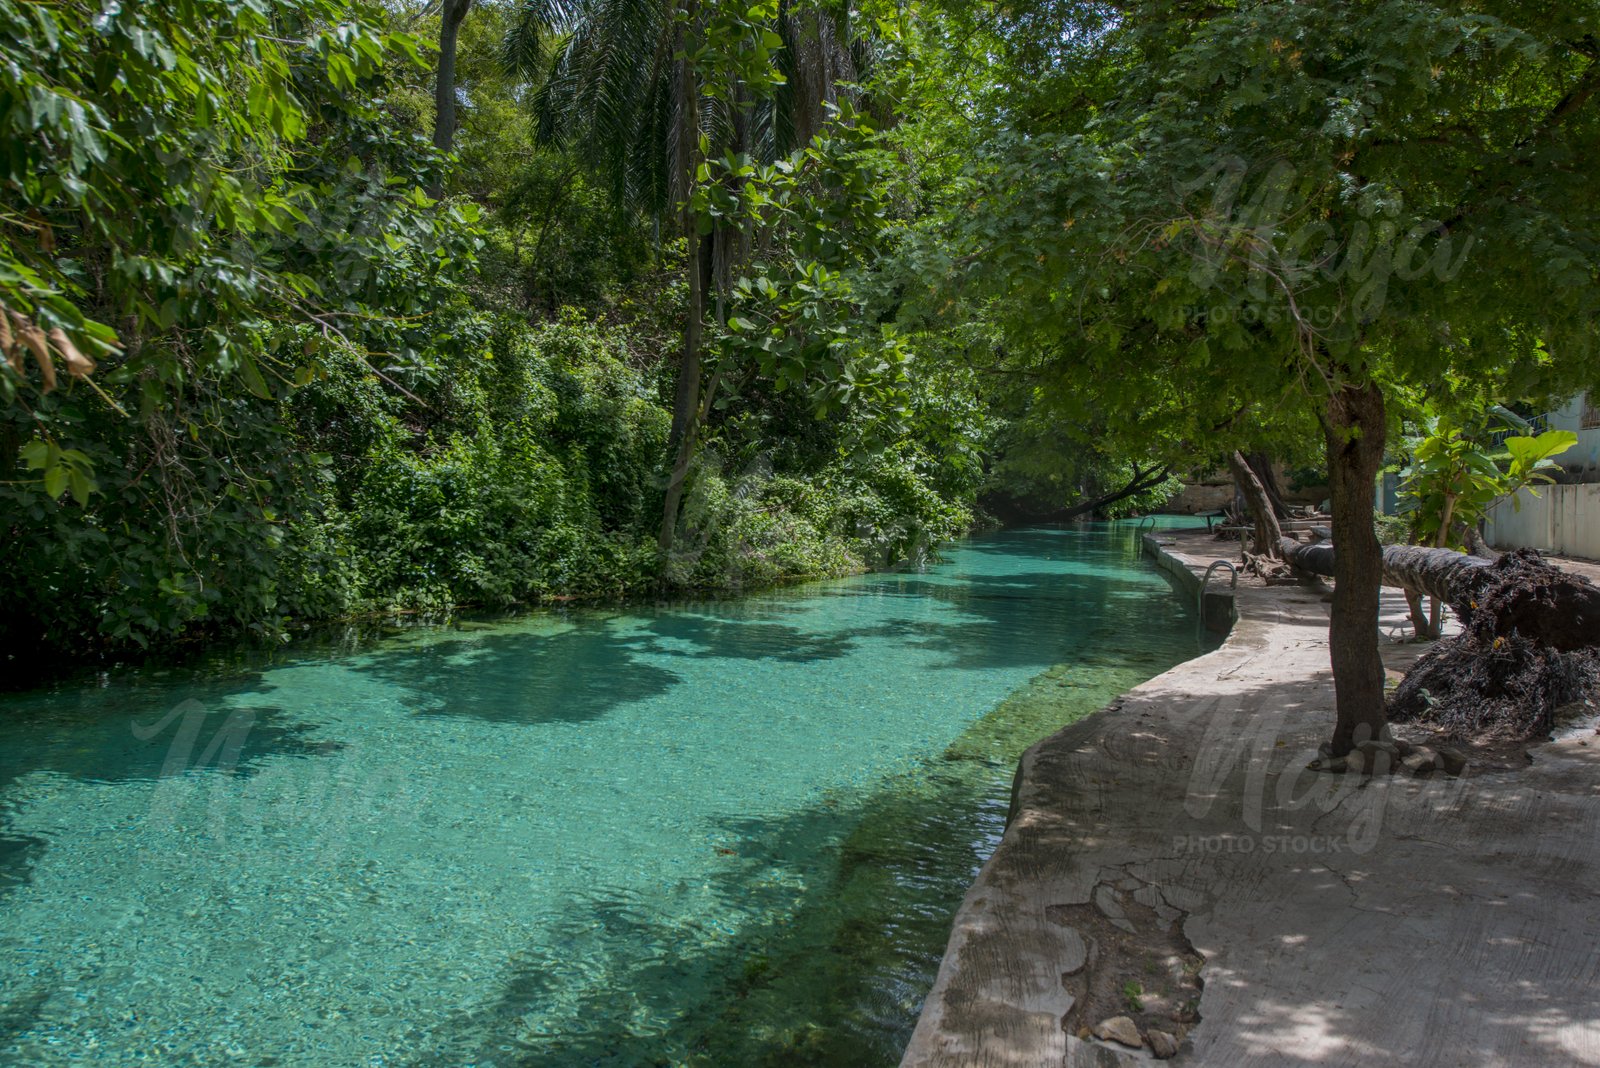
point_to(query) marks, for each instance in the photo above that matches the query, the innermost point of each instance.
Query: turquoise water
(720, 833)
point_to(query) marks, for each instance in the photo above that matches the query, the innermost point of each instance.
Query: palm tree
(624, 91)
(452, 13)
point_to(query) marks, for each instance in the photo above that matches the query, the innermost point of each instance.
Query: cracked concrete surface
(1342, 920)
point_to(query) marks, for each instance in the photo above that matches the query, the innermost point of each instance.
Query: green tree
(669, 101)
(204, 198)
(1214, 218)
(1452, 480)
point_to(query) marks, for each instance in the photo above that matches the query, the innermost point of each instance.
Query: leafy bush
(759, 528)
(520, 471)
(285, 395)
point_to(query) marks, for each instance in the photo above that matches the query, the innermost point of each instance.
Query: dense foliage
(204, 196)
(317, 307)
(322, 391)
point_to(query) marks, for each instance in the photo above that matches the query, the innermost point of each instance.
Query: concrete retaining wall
(1218, 612)
(1562, 519)
(1199, 497)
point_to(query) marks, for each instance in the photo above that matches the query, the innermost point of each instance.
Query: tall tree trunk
(1354, 426)
(444, 86)
(685, 433)
(1261, 464)
(1268, 532)
(686, 402)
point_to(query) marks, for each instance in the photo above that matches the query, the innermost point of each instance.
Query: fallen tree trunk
(1522, 593)
(1434, 572)
(1142, 480)
(1529, 647)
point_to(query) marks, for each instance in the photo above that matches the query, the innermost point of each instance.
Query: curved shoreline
(1341, 920)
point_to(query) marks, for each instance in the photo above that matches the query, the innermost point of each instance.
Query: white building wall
(1583, 458)
(1562, 519)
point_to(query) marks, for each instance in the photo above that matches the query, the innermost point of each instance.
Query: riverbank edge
(1420, 902)
(368, 625)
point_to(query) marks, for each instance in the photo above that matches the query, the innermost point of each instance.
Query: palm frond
(533, 24)
(610, 91)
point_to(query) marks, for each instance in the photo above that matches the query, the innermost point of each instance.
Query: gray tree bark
(1567, 618)
(1261, 464)
(686, 402)
(1354, 428)
(444, 86)
(1431, 572)
(1268, 531)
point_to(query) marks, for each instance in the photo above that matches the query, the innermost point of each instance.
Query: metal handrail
(1538, 424)
(1233, 586)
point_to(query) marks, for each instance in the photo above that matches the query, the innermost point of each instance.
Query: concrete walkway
(1341, 920)
(1587, 568)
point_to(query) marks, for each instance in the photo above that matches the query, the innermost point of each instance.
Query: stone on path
(1163, 1045)
(1119, 1029)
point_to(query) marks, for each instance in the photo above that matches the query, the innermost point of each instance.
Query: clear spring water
(723, 833)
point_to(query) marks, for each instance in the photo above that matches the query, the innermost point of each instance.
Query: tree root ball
(1521, 594)
(1513, 665)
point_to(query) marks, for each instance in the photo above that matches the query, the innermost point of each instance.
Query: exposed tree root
(1509, 690)
(1269, 568)
(1519, 659)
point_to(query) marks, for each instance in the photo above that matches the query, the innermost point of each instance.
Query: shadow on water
(1036, 542)
(1005, 620)
(17, 855)
(156, 729)
(843, 912)
(746, 640)
(23, 1012)
(1052, 542)
(565, 677)
(159, 732)
(839, 913)
(581, 674)
(812, 941)
(1019, 617)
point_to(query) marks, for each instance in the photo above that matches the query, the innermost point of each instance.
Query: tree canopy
(315, 307)
(1213, 225)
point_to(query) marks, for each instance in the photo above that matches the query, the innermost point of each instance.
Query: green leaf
(55, 481)
(252, 377)
(1528, 453)
(37, 454)
(82, 486)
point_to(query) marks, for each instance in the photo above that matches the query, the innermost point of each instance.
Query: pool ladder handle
(1233, 586)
